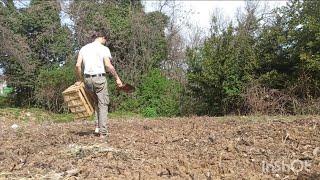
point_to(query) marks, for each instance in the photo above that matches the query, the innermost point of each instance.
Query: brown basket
(79, 101)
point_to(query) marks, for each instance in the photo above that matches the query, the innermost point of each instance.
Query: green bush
(158, 93)
(3, 102)
(50, 85)
(6, 91)
(149, 112)
(130, 104)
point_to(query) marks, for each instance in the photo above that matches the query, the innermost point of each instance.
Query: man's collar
(96, 42)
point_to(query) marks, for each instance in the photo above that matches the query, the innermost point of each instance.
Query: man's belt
(95, 75)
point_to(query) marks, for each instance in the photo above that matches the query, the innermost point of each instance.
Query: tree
(33, 39)
(220, 70)
(289, 49)
(137, 40)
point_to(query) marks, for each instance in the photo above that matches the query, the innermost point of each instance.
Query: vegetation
(272, 60)
(267, 62)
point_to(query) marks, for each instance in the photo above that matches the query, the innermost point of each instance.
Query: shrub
(50, 84)
(159, 94)
(149, 112)
(263, 100)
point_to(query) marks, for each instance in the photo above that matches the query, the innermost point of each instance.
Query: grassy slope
(40, 115)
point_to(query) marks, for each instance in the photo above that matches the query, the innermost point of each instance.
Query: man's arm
(78, 68)
(112, 70)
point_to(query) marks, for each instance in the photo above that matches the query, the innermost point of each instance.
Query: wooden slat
(83, 100)
(85, 96)
(70, 89)
(77, 110)
(80, 111)
(71, 99)
(87, 100)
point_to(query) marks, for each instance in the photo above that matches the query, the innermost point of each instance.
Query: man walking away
(95, 58)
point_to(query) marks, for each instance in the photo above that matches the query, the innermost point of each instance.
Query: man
(95, 58)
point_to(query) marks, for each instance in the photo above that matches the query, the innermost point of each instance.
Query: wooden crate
(79, 101)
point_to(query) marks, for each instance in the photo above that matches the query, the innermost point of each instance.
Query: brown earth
(177, 148)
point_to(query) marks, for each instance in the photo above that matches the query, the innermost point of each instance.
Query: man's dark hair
(102, 32)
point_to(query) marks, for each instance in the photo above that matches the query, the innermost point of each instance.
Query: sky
(202, 10)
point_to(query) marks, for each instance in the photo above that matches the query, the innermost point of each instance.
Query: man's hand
(119, 82)
(77, 83)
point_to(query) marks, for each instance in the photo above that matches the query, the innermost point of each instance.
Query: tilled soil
(176, 148)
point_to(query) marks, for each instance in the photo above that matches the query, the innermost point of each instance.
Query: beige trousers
(99, 87)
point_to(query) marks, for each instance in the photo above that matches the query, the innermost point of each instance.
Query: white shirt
(93, 55)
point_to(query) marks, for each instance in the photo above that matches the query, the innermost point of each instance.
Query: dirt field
(176, 148)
